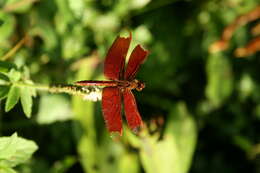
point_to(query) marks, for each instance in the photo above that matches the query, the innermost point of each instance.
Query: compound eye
(140, 86)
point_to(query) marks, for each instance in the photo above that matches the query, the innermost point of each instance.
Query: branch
(252, 47)
(11, 52)
(91, 93)
(228, 32)
(13, 6)
(256, 29)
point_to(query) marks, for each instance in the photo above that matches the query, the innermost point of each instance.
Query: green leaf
(76, 7)
(220, 79)
(15, 150)
(124, 165)
(12, 98)
(65, 11)
(182, 127)
(7, 147)
(6, 66)
(14, 75)
(3, 79)
(26, 74)
(6, 169)
(53, 108)
(173, 153)
(138, 4)
(159, 156)
(7, 27)
(3, 91)
(26, 100)
(246, 86)
(106, 22)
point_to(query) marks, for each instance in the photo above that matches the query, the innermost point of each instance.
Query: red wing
(111, 107)
(115, 59)
(136, 58)
(133, 117)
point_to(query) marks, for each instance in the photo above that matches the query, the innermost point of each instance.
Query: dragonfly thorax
(136, 84)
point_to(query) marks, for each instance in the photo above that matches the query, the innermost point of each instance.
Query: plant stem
(14, 6)
(86, 92)
(10, 53)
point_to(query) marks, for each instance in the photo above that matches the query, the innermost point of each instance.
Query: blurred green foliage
(14, 150)
(201, 110)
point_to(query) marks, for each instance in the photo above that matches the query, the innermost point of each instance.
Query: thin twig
(13, 6)
(228, 32)
(11, 52)
(256, 29)
(252, 47)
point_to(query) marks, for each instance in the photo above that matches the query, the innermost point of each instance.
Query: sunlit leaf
(26, 73)
(6, 169)
(12, 98)
(246, 86)
(127, 158)
(15, 150)
(14, 75)
(136, 4)
(160, 156)
(220, 79)
(65, 11)
(53, 108)
(142, 35)
(182, 127)
(77, 7)
(106, 22)
(172, 153)
(26, 100)
(7, 146)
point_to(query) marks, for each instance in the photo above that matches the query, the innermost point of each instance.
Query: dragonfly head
(139, 85)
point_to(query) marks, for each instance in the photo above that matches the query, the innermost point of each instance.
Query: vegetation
(201, 104)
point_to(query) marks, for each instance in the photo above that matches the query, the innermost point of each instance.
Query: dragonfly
(118, 88)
